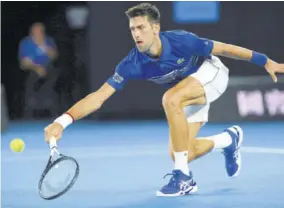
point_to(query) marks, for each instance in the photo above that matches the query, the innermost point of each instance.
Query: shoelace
(235, 155)
(172, 180)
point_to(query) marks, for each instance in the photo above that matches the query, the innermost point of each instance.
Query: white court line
(111, 152)
(276, 151)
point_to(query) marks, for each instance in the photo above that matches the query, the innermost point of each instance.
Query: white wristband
(64, 120)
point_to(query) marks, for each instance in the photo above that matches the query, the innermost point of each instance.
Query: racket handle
(52, 142)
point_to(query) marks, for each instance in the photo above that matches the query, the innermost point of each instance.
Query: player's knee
(171, 101)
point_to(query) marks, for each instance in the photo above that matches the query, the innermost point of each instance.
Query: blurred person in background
(37, 53)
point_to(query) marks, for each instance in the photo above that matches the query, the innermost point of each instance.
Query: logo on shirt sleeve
(117, 78)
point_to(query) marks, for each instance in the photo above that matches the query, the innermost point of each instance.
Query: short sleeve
(122, 75)
(24, 49)
(198, 46)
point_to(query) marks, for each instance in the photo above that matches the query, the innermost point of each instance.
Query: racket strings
(58, 178)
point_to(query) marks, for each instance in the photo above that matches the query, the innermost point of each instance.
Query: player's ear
(156, 28)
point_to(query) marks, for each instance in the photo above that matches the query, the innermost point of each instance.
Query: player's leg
(201, 88)
(214, 77)
(174, 100)
(200, 147)
(229, 142)
(230, 139)
(197, 114)
(194, 150)
(187, 92)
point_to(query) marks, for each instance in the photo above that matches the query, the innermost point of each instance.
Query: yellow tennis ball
(17, 145)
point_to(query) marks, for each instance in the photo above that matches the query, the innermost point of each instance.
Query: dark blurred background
(89, 53)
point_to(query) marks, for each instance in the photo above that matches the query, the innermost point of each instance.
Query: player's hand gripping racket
(59, 175)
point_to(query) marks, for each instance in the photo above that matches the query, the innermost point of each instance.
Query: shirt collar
(166, 50)
(166, 47)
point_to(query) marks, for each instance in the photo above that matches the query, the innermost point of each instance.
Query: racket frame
(51, 164)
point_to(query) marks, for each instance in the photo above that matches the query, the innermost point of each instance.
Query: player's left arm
(240, 53)
(204, 47)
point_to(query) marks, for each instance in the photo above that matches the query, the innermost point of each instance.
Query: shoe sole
(181, 193)
(241, 138)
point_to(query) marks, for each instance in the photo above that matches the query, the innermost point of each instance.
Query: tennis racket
(59, 175)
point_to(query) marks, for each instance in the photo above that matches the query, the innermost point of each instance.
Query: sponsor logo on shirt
(179, 61)
(117, 78)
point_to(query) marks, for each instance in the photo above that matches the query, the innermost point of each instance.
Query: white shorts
(214, 77)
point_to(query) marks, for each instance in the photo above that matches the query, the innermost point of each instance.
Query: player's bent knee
(172, 104)
(171, 101)
(166, 97)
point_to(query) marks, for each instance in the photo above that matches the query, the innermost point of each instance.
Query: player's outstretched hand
(53, 130)
(272, 68)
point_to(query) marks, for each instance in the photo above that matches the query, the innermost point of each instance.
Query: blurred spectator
(37, 53)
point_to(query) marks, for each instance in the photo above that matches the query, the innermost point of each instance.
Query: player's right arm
(91, 102)
(81, 109)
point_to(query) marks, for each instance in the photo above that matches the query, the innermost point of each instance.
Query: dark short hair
(144, 9)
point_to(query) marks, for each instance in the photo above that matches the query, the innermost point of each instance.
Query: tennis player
(189, 67)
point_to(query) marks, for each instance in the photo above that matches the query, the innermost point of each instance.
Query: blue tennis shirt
(182, 54)
(31, 50)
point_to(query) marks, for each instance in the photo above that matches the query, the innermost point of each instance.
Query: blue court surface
(122, 164)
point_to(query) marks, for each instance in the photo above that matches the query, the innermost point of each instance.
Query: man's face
(38, 31)
(143, 32)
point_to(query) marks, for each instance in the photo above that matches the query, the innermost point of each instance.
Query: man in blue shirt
(36, 55)
(188, 67)
(37, 50)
